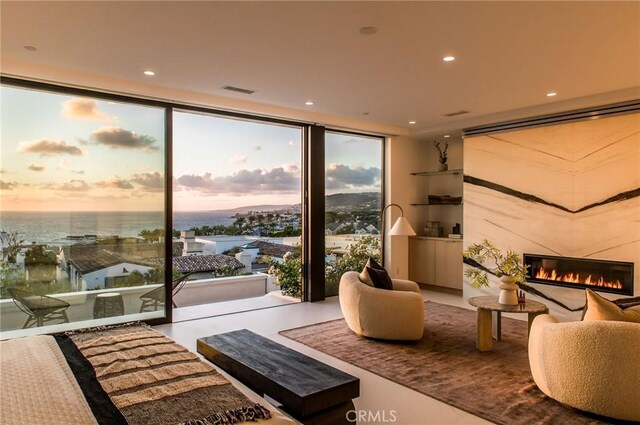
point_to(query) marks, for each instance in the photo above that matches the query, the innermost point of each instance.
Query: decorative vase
(443, 167)
(508, 291)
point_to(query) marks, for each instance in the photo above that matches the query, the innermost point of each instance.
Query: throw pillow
(364, 276)
(599, 308)
(379, 278)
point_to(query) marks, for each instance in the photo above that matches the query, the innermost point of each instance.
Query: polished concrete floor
(377, 394)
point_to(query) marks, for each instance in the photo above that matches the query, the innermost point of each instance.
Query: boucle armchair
(590, 365)
(396, 314)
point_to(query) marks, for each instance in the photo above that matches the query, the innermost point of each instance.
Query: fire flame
(575, 278)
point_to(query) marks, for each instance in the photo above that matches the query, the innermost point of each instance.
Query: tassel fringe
(104, 328)
(229, 417)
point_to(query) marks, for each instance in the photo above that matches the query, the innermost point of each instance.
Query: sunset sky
(67, 153)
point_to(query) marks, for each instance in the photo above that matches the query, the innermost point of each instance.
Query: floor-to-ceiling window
(82, 210)
(353, 201)
(237, 209)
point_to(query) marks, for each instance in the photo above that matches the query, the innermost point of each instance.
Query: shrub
(288, 273)
(354, 260)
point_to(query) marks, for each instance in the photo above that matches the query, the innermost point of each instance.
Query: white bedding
(37, 385)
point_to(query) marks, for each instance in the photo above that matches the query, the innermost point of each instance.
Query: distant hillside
(364, 200)
(245, 210)
(338, 201)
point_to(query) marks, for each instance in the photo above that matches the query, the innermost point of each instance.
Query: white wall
(403, 156)
(98, 278)
(203, 291)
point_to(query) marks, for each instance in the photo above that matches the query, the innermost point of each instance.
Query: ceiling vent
(453, 114)
(238, 89)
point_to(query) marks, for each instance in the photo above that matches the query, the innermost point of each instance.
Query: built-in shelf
(437, 173)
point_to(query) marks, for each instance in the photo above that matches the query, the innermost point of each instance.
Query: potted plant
(442, 154)
(507, 266)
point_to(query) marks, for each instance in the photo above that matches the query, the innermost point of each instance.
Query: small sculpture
(442, 154)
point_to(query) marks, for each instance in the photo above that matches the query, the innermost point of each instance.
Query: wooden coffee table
(489, 314)
(308, 389)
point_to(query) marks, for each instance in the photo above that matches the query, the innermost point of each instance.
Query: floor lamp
(400, 228)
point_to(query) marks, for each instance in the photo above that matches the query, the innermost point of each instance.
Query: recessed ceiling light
(446, 136)
(308, 103)
(368, 30)
(412, 122)
(30, 48)
(149, 73)
(551, 94)
(448, 58)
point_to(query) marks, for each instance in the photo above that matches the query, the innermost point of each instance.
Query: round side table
(108, 304)
(489, 314)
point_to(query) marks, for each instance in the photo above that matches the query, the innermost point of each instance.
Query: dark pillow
(371, 262)
(379, 278)
(364, 276)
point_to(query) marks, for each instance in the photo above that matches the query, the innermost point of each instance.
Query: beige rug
(445, 365)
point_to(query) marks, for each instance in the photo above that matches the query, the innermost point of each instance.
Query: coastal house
(260, 248)
(509, 124)
(91, 267)
(190, 245)
(216, 264)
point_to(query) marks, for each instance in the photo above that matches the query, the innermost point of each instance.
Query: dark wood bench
(304, 386)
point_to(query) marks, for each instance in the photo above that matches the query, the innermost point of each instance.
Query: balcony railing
(80, 313)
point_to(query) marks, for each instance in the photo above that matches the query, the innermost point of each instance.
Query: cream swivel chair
(590, 365)
(396, 314)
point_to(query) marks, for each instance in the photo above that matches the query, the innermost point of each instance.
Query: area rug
(445, 365)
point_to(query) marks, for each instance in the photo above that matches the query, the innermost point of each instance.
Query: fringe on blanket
(104, 328)
(252, 413)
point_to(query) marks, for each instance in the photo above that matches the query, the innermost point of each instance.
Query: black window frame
(312, 184)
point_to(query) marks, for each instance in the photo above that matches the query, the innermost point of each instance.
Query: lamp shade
(402, 228)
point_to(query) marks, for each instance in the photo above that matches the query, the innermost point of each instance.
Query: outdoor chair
(39, 308)
(154, 299)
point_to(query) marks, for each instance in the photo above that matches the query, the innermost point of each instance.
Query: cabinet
(422, 260)
(436, 261)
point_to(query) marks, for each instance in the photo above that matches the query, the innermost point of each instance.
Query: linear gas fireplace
(598, 275)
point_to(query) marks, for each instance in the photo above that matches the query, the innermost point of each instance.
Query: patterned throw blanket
(132, 374)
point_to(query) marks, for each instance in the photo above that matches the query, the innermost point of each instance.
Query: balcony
(209, 295)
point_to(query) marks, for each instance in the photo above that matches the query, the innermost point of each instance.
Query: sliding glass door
(353, 201)
(82, 210)
(236, 209)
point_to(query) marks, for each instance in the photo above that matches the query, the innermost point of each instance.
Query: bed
(125, 374)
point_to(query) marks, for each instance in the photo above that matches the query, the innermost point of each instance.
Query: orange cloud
(71, 186)
(7, 185)
(84, 109)
(118, 138)
(35, 167)
(47, 147)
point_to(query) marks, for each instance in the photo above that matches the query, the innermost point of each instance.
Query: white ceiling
(509, 54)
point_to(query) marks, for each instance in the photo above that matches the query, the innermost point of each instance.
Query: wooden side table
(489, 316)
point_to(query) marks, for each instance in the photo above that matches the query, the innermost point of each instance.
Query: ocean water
(54, 227)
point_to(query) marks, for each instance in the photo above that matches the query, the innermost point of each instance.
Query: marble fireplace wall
(567, 190)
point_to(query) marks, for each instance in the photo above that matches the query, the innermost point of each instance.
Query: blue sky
(70, 153)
